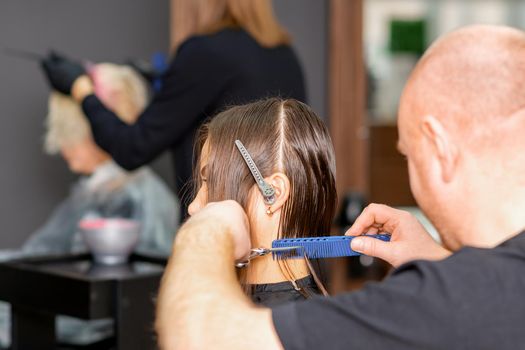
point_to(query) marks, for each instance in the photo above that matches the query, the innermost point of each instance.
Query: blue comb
(318, 247)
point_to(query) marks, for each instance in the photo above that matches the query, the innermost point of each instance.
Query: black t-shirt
(273, 294)
(472, 300)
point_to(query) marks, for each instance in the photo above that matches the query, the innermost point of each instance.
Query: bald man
(462, 129)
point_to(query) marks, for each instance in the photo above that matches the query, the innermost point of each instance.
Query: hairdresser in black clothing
(230, 52)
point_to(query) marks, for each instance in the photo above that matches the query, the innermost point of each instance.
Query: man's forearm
(201, 304)
(193, 276)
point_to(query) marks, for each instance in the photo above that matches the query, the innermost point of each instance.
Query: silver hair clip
(266, 189)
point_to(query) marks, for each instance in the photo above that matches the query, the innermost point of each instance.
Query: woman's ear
(281, 185)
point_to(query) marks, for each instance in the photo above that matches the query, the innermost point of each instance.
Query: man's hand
(61, 72)
(201, 304)
(231, 216)
(409, 241)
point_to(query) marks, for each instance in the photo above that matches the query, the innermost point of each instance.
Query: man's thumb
(370, 246)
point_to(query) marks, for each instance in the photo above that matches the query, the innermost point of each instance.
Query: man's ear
(281, 185)
(442, 145)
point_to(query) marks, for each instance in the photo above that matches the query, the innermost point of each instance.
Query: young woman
(225, 52)
(293, 151)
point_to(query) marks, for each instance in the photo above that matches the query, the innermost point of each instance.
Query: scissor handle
(254, 253)
(257, 252)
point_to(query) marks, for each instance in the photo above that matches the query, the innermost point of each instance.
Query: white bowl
(110, 240)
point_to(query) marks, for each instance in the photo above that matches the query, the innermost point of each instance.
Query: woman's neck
(265, 269)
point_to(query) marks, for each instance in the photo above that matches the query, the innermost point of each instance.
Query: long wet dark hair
(282, 136)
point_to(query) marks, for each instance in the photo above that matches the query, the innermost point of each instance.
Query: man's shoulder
(469, 276)
(467, 261)
(422, 304)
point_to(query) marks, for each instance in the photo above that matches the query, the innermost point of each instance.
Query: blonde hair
(66, 123)
(197, 17)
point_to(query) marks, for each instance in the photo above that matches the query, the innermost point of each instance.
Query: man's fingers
(373, 247)
(375, 215)
(372, 230)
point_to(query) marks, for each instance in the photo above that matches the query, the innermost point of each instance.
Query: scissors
(24, 54)
(257, 252)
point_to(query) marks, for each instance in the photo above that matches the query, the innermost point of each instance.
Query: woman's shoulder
(197, 51)
(228, 42)
(228, 50)
(218, 37)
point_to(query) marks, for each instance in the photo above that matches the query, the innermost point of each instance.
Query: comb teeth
(318, 247)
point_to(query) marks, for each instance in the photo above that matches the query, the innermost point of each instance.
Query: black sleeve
(406, 311)
(196, 78)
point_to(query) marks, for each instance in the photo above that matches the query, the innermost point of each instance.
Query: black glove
(61, 72)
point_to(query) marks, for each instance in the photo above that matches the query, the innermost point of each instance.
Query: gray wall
(31, 183)
(306, 21)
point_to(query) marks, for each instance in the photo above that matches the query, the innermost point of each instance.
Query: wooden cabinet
(388, 172)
